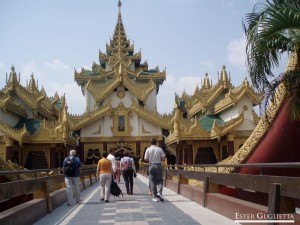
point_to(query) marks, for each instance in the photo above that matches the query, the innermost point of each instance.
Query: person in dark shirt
(71, 168)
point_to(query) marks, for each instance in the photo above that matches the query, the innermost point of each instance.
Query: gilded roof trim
(153, 117)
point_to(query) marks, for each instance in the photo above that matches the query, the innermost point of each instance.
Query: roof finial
(119, 5)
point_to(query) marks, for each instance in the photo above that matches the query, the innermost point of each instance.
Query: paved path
(137, 209)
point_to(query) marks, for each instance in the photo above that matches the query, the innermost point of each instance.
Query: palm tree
(272, 29)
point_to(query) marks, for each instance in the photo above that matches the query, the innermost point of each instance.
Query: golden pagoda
(36, 131)
(214, 122)
(33, 131)
(121, 104)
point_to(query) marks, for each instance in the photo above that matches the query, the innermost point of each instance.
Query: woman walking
(128, 171)
(104, 169)
(118, 170)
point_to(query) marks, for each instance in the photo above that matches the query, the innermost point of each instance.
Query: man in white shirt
(113, 160)
(155, 155)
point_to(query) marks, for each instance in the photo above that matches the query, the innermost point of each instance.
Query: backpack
(115, 189)
(127, 165)
(70, 167)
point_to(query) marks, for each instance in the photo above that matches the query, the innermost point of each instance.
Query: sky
(187, 37)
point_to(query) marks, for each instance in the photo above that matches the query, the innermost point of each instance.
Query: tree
(272, 29)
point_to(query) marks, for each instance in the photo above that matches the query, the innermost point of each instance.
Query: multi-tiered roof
(41, 118)
(197, 115)
(120, 65)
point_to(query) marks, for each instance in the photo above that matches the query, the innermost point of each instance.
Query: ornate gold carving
(19, 135)
(121, 139)
(183, 129)
(33, 98)
(77, 122)
(204, 97)
(2, 151)
(163, 121)
(263, 126)
(218, 131)
(118, 70)
(121, 110)
(235, 95)
(121, 94)
(8, 104)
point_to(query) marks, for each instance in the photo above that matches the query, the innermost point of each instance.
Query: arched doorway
(93, 156)
(36, 160)
(205, 155)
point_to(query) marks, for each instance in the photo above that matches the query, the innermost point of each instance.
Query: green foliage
(272, 29)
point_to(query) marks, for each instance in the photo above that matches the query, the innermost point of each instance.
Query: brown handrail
(257, 165)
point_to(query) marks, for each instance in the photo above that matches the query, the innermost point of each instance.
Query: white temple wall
(106, 127)
(90, 102)
(115, 100)
(9, 118)
(101, 127)
(149, 129)
(229, 114)
(151, 101)
(245, 104)
(134, 123)
(92, 130)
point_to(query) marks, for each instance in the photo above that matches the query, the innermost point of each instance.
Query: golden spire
(119, 34)
(206, 82)
(32, 86)
(246, 82)
(13, 76)
(224, 76)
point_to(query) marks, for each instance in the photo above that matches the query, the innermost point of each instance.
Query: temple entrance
(205, 155)
(93, 156)
(36, 160)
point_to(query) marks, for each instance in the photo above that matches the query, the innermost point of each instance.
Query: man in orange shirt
(104, 169)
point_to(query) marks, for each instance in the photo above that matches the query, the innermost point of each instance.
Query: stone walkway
(136, 209)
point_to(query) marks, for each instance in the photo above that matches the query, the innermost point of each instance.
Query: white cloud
(227, 3)
(166, 95)
(74, 97)
(237, 52)
(55, 76)
(57, 66)
(207, 64)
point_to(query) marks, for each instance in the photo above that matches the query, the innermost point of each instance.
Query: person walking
(104, 169)
(128, 171)
(113, 160)
(72, 169)
(155, 156)
(118, 170)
